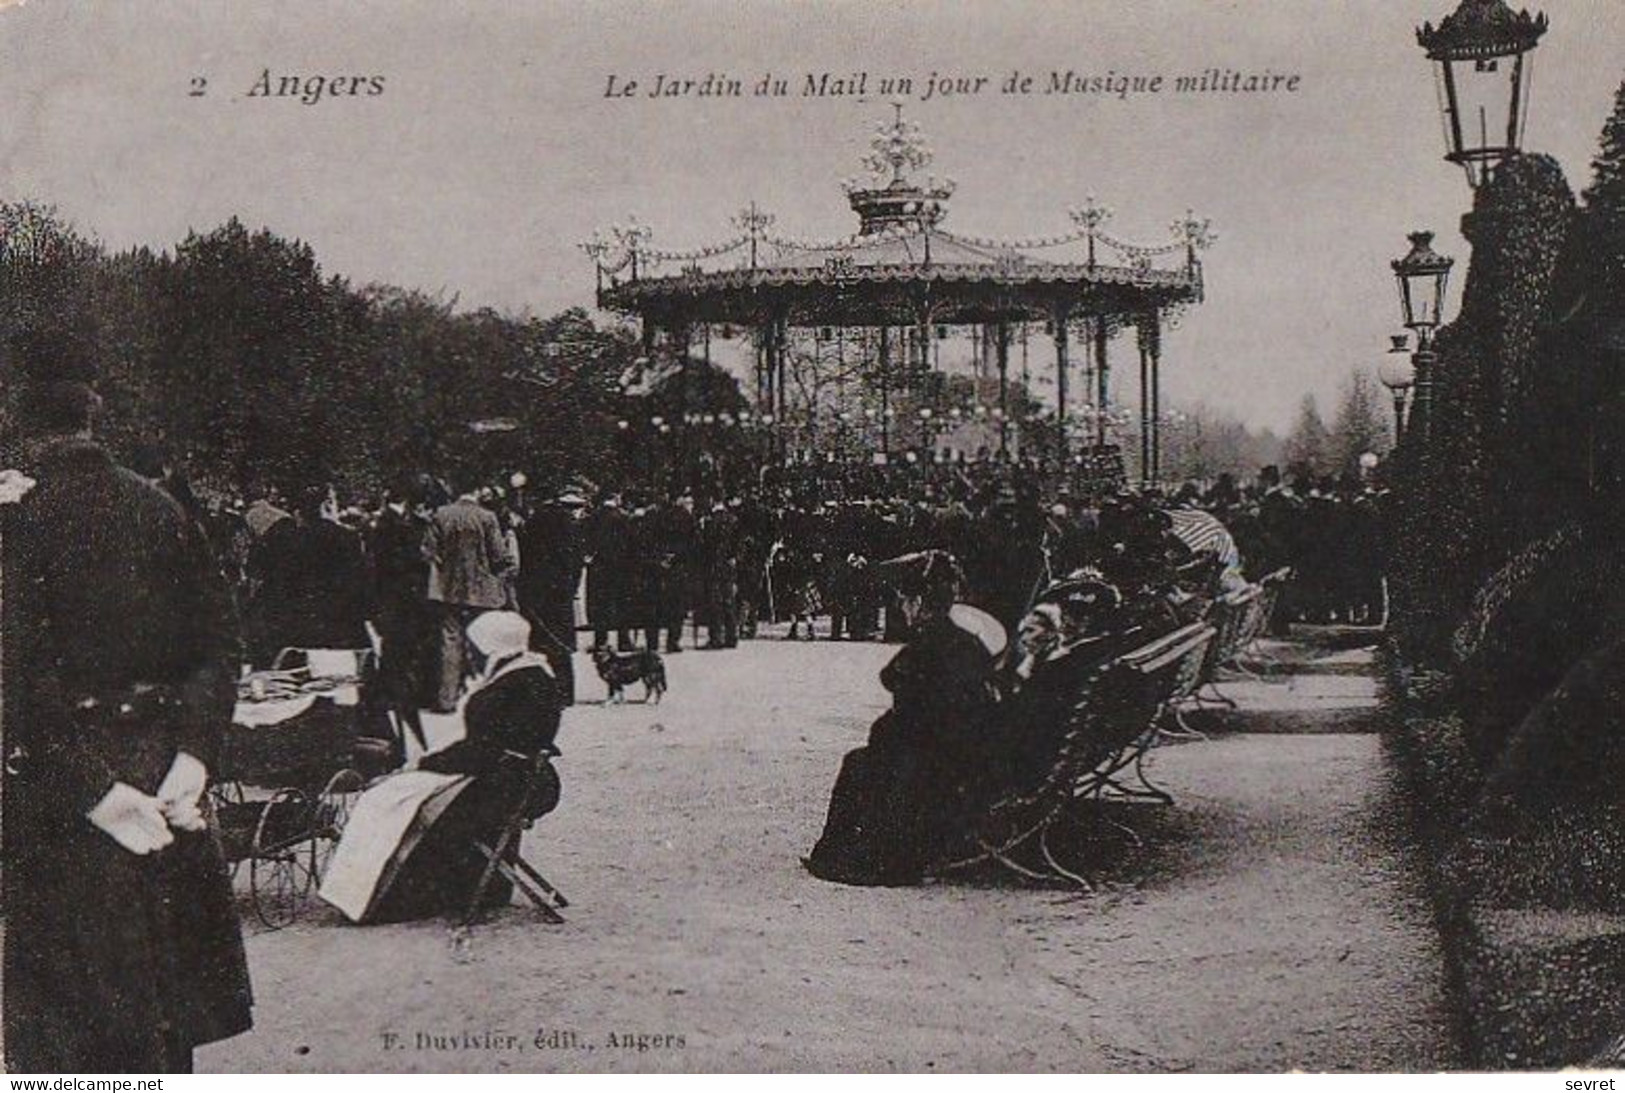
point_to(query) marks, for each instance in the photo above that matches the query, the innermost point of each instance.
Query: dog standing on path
(618, 670)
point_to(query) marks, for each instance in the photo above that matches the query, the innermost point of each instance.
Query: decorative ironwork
(1194, 232)
(841, 267)
(1481, 29)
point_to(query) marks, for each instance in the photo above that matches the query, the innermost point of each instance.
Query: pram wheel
(332, 812)
(282, 859)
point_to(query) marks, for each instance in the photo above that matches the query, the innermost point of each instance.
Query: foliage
(1361, 425)
(1510, 551)
(1309, 445)
(1595, 328)
(1203, 444)
(1483, 485)
(44, 272)
(238, 359)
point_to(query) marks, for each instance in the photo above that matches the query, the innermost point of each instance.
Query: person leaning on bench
(907, 794)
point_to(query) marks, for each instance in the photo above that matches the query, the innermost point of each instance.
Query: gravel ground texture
(1269, 921)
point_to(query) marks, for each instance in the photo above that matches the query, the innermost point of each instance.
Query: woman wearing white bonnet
(511, 714)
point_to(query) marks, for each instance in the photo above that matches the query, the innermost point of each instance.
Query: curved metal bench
(1112, 724)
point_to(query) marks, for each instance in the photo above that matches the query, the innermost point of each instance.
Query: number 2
(199, 84)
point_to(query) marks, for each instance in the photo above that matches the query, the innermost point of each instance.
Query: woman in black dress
(511, 715)
(904, 797)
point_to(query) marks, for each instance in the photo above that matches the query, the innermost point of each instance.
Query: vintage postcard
(751, 536)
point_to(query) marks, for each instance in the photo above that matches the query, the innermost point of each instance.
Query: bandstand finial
(892, 198)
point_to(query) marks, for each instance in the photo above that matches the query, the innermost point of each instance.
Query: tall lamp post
(1481, 53)
(1398, 374)
(1423, 277)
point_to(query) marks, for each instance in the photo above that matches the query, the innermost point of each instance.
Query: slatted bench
(1113, 718)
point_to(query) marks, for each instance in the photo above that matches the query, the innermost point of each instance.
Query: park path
(1269, 923)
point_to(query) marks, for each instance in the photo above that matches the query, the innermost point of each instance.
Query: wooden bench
(1112, 724)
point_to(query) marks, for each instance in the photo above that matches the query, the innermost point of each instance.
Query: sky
(493, 149)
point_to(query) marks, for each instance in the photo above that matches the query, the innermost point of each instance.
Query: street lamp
(1423, 277)
(1398, 374)
(1480, 51)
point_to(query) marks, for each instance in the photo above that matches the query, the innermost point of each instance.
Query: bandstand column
(764, 367)
(885, 391)
(781, 339)
(1061, 366)
(922, 340)
(679, 337)
(1156, 399)
(1103, 370)
(1002, 345)
(1144, 403)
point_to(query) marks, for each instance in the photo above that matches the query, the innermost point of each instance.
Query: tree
(1598, 332)
(1200, 443)
(1308, 447)
(1361, 424)
(1605, 198)
(244, 365)
(45, 267)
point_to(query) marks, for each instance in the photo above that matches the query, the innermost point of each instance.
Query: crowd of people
(799, 545)
(132, 605)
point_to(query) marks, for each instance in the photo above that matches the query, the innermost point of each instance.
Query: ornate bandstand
(904, 276)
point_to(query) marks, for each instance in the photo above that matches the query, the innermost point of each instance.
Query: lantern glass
(1396, 371)
(1423, 278)
(1481, 53)
(1486, 105)
(1422, 298)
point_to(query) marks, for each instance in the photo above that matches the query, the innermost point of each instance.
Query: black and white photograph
(751, 536)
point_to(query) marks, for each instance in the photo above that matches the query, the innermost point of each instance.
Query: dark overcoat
(119, 650)
(550, 554)
(313, 589)
(609, 578)
(905, 796)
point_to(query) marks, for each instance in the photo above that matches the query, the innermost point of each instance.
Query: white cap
(497, 632)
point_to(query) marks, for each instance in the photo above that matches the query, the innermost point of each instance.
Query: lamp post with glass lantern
(1423, 276)
(1398, 374)
(1482, 56)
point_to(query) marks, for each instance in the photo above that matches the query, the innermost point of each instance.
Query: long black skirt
(891, 814)
(440, 874)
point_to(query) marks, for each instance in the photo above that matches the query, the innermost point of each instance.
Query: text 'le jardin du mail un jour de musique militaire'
(948, 85)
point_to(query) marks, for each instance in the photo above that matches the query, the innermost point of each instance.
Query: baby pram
(290, 768)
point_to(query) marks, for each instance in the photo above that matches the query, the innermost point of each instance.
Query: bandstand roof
(902, 267)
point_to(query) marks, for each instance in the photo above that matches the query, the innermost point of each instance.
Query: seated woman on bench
(1077, 626)
(408, 851)
(899, 800)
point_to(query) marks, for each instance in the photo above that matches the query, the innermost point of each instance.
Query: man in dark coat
(550, 561)
(670, 551)
(313, 583)
(401, 613)
(122, 948)
(610, 574)
(719, 563)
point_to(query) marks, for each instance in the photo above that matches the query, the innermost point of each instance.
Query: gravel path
(1268, 923)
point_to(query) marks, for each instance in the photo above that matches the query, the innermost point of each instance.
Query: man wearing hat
(719, 563)
(552, 553)
(122, 948)
(468, 561)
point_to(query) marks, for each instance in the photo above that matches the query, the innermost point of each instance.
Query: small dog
(617, 670)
